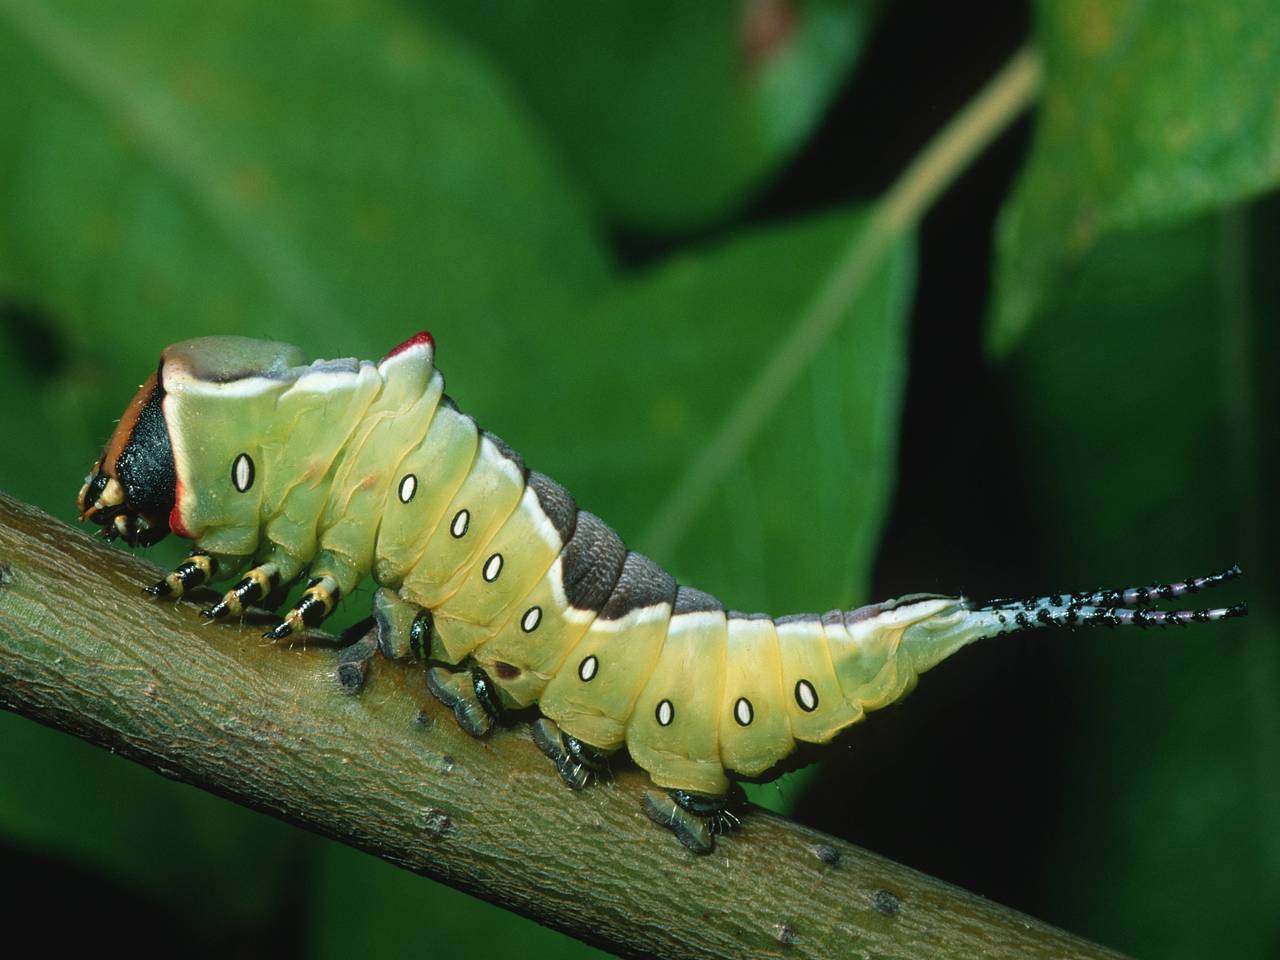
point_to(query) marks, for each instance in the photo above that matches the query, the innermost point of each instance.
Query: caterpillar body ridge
(337, 469)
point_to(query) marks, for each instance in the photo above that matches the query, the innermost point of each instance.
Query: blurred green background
(610, 215)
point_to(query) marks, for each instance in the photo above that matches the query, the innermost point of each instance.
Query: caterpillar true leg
(256, 585)
(576, 762)
(333, 576)
(470, 694)
(195, 571)
(315, 604)
(695, 818)
(264, 584)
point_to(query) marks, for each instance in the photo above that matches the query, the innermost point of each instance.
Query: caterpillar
(491, 575)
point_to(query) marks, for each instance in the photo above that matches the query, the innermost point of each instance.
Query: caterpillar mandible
(492, 576)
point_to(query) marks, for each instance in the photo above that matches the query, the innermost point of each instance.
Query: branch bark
(389, 772)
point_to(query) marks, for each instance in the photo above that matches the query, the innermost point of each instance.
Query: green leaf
(1152, 113)
(364, 907)
(672, 112)
(334, 174)
(1141, 394)
(648, 376)
(213, 861)
(50, 438)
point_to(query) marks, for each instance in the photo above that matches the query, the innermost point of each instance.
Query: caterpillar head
(204, 396)
(182, 458)
(131, 489)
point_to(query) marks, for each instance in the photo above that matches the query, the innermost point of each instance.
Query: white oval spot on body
(587, 668)
(665, 713)
(532, 617)
(460, 521)
(492, 567)
(242, 472)
(743, 712)
(408, 487)
(806, 696)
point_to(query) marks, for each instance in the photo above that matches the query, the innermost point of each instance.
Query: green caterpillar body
(345, 468)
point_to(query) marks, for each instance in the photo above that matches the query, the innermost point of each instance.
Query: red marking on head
(415, 340)
(175, 515)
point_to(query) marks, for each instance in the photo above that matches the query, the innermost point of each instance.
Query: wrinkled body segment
(342, 469)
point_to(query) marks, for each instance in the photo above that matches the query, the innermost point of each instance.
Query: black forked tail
(1123, 607)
